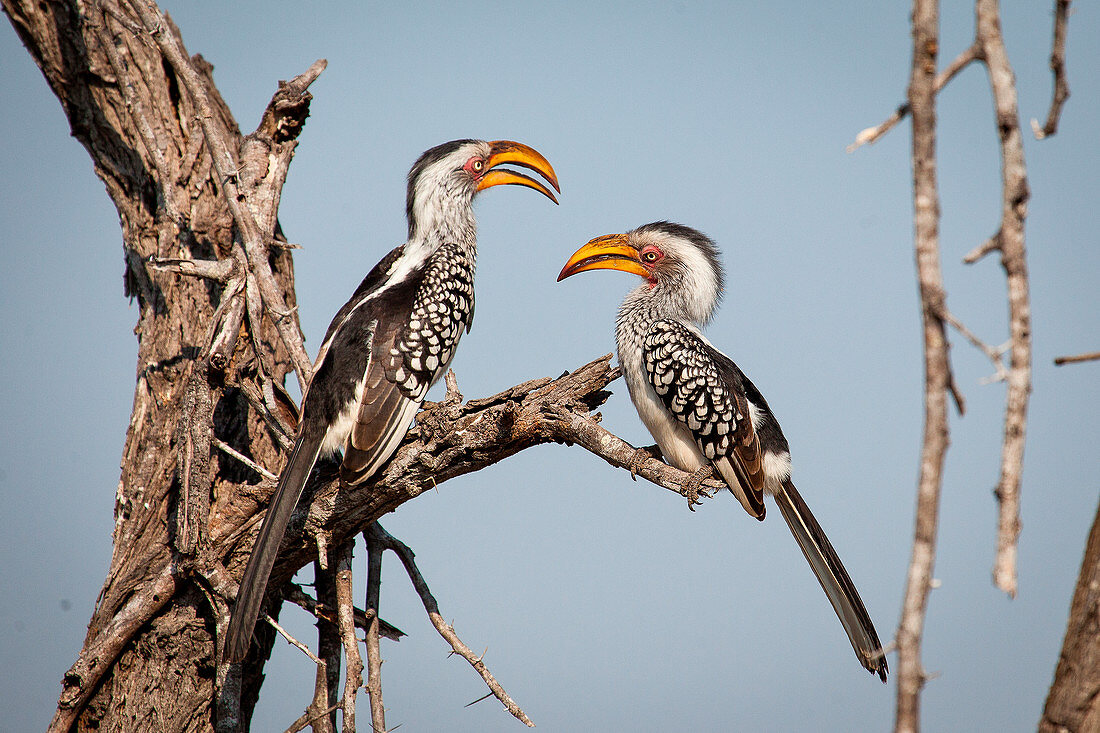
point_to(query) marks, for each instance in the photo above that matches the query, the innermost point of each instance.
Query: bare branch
(353, 676)
(294, 642)
(100, 654)
(922, 103)
(216, 270)
(309, 717)
(377, 534)
(1058, 67)
(374, 652)
(230, 451)
(362, 619)
(995, 353)
(1092, 356)
(317, 714)
(872, 134)
(1014, 197)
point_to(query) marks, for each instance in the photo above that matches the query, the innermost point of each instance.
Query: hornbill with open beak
(391, 342)
(700, 407)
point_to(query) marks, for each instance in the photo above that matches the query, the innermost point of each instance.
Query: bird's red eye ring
(475, 164)
(651, 256)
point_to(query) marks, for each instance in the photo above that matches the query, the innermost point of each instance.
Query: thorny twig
(384, 539)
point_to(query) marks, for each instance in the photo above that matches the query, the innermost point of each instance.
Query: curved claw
(693, 486)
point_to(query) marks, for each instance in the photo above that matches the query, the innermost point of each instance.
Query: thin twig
(1092, 356)
(309, 717)
(1058, 68)
(376, 533)
(229, 450)
(286, 635)
(872, 134)
(362, 619)
(995, 353)
(993, 244)
(318, 710)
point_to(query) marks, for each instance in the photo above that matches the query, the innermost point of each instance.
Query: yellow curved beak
(507, 151)
(609, 252)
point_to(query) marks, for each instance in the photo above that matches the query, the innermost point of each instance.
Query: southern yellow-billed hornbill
(699, 406)
(391, 342)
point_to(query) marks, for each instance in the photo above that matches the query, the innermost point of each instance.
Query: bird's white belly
(672, 436)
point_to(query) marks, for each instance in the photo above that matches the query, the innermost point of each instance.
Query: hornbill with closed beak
(700, 407)
(391, 342)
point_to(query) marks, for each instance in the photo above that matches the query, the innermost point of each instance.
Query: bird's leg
(693, 486)
(641, 455)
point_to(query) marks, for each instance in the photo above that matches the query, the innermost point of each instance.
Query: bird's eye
(477, 164)
(650, 256)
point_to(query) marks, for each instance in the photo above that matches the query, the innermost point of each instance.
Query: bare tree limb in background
(926, 216)
(1078, 358)
(1058, 68)
(988, 47)
(1010, 241)
(871, 135)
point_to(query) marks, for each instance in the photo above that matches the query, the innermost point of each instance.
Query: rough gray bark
(1074, 701)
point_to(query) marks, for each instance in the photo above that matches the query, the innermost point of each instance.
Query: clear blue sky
(604, 604)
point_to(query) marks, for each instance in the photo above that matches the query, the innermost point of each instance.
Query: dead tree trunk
(149, 654)
(1073, 703)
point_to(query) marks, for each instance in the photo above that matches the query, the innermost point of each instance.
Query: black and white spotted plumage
(389, 343)
(700, 407)
(705, 392)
